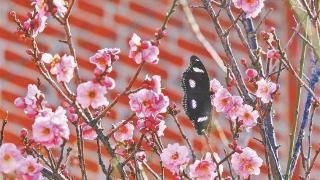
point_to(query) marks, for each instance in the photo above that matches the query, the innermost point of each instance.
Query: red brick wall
(99, 24)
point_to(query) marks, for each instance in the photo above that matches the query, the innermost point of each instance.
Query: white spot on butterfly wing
(201, 119)
(193, 104)
(198, 70)
(192, 83)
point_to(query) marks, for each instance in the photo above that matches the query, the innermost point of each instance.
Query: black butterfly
(196, 100)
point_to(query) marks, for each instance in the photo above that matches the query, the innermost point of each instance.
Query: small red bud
(12, 14)
(239, 149)
(23, 132)
(235, 142)
(144, 45)
(29, 52)
(272, 30)
(29, 14)
(31, 141)
(231, 146)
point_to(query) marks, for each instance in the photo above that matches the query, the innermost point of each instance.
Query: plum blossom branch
(128, 88)
(102, 165)
(312, 163)
(196, 30)
(226, 45)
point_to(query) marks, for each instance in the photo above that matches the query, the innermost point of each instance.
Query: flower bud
(23, 132)
(238, 149)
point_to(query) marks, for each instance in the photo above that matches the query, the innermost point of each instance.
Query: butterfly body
(196, 100)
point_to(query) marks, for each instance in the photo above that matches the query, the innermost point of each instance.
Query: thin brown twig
(120, 125)
(102, 165)
(66, 16)
(80, 152)
(5, 121)
(151, 170)
(61, 155)
(184, 137)
(212, 154)
(289, 66)
(312, 162)
(226, 46)
(309, 139)
(137, 148)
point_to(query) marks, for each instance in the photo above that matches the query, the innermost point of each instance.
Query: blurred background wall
(98, 24)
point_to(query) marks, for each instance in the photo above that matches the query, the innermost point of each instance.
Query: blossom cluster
(251, 7)
(92, 93)
(13, 162)
(175, 158)
(232, 106)
(49, 128)
(37, 19)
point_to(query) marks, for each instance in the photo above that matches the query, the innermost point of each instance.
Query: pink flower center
(7, 157)
(146, 103)
(55, 60)
(123, 129)
(265, 89)
(246, 115)
(46, 131)
(250, 1)
(92, 94)
(31, 168)
(225, 101)
(248, 166)
(101, 61)
(175, 156)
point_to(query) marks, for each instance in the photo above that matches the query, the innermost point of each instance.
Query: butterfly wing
(196, 100)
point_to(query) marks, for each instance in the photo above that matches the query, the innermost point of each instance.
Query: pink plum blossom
(251, 7)
(30, 169)
(88, 132)
(36, 25)
(50, 128)
(153, 83)
(175, 158)
(273, 55)
(234, 111)
(246, 163)
(91, 94)
(32, 102)
(108, 82)
(104, 58)
(143, 50)
(248, 116)
(61, 67)
(205, 169)
(146, 103)
(222, 100)
(71, 114)
(215, 85)
(59, 6)
(251, 73)
(102, 78)
(124, 133)
(265, 89)
(9, 158)
(152, 124)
